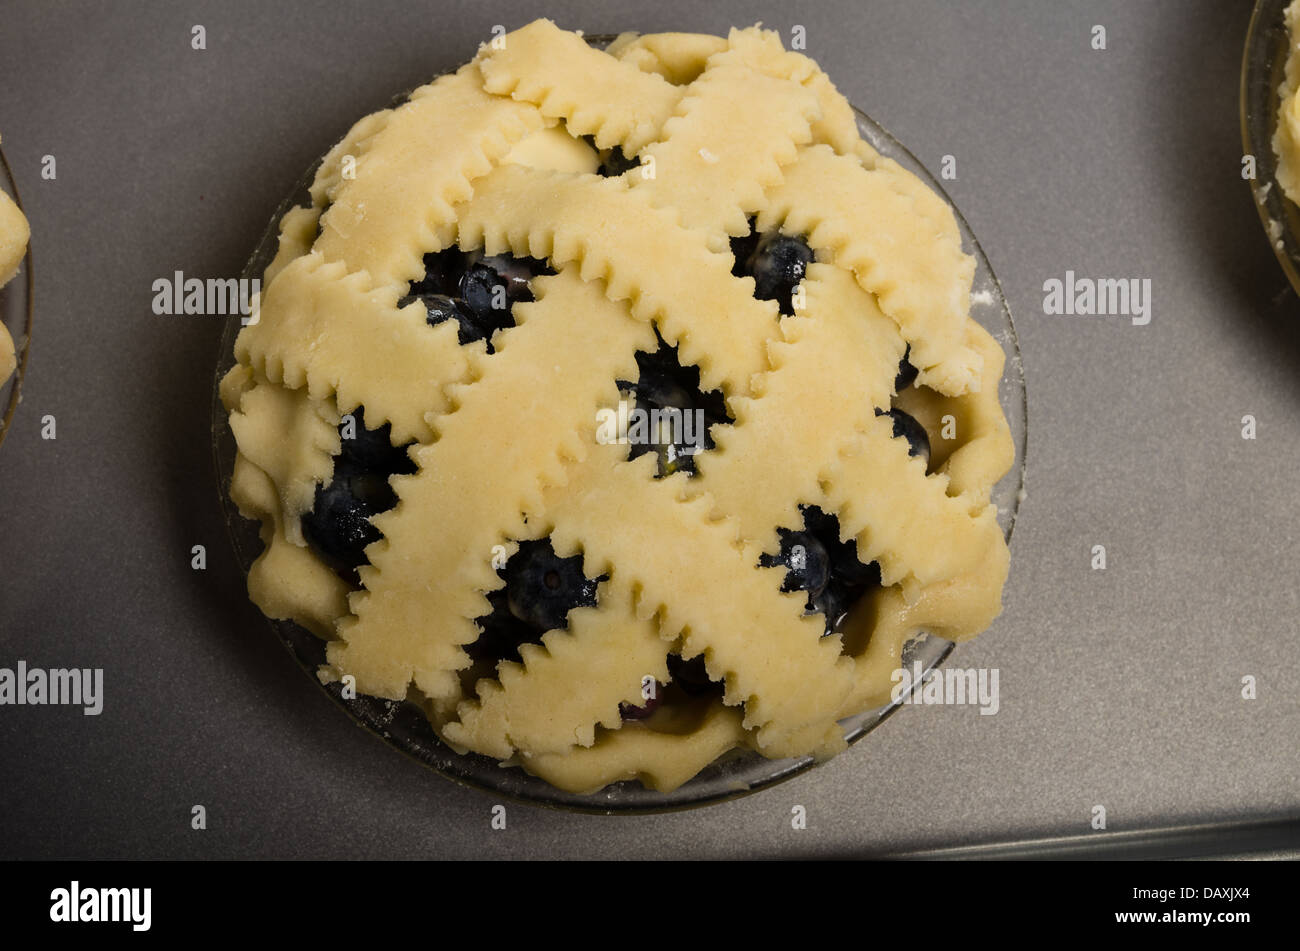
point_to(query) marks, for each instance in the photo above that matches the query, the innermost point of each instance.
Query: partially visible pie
(1286, 137)
(556, 236)
(14, 234)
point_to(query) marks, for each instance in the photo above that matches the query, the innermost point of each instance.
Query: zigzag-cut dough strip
(956, 609)
(322, 328)
(682, 57)
(564, 690)
(298, 226)
(677, 57)
(642, 254)
(714, 161)
(839, 352)
(984, 450)
(424, 586)
(594, 93)
(663, 761)
(286, 441)
(399, 205)
(903, 519)
(756, 637)
(921, 279)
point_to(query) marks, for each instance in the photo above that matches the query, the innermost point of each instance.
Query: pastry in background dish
(14, 233)
(550, 236)
(1286, 140)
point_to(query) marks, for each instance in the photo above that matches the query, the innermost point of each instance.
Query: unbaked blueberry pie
(621, 408)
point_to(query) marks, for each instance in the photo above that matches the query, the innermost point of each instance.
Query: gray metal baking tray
(1119, 688)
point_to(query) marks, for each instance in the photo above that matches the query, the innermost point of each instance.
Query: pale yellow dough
(494, 156)
(14, 234)
(8, 358)
(1286, 140)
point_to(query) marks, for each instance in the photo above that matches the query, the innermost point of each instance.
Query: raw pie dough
(493, 157)
(1286, 140)
(14, 233)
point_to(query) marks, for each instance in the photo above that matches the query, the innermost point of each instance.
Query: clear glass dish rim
(513, 783)
(22, 342)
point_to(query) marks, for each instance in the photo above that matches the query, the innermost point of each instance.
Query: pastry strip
(921, 279)
(425, 585)
(566, 688)
(323, 329)
(590, 90)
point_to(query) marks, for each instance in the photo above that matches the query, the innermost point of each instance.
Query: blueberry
(442, 273)
(850, 571)
(491, 286)
(482, 290)
(614, 163)
(906, 372)
(540, 590)
(832, 602)
(440, 308)
(469, 287)
(918, 441)
(807, 563)
(512, 272)
(372, 449)
(663, 383)
(541, 587)
(629, 711)
(691, 675)
(338, 526)
(823, 565)
(778, 265)
(742, 249)
(501, 633)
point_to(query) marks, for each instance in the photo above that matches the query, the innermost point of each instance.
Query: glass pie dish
(16, 314)
(1263, 67)
(403, 724)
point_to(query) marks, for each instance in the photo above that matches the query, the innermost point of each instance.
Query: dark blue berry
(541, 587)
(849, 571)
(778, 265)
(906, 427)
(663, 383)
(832, 602)
(614, 163)
(442, 273)
(501, 633)
(491, 286)
(906, 372)
(742, 249)
(831, 573)
(807, 563)
(338, 526)
(372, 449)
(469, 287)
(440, 308)
(482, 290)
(692, 676)
(630, 711)
(540, 590)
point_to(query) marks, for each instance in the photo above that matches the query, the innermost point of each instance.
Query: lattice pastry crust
(503, 434)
